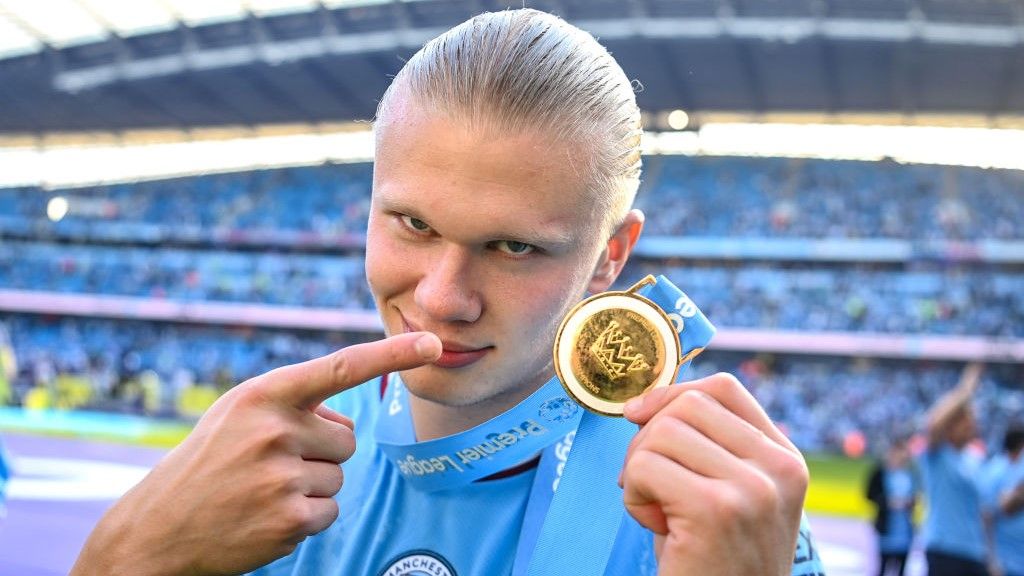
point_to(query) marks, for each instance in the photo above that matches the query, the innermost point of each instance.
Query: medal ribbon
(537, 422)
(583, 519)
(582, 455)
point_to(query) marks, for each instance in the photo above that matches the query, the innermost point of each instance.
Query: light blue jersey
(386, 527)
(953, 524)
(899, 534)
(1001, 475)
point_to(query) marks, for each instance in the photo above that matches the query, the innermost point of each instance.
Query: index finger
(309, 383)
(724, 388)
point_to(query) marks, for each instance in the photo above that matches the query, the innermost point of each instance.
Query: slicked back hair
(524, 70)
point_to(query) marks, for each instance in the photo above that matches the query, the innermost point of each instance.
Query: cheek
(381, 266)
(541, 305)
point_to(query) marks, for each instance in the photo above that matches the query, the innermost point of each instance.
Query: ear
(616, 252)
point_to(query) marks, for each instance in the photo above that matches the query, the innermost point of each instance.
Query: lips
(453, 354)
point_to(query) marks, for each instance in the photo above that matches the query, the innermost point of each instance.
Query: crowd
(955, 300)
(683, 196)
(820, 401)
(771, 197)
(279, 278)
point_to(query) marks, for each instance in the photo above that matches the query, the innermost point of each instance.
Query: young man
(507, 157)
(954, 537)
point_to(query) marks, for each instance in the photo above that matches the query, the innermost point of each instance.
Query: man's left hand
(716, 481)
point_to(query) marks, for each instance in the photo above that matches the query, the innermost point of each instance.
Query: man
(892, 488)
(954, 537)
(1003, 493)
(507, 157)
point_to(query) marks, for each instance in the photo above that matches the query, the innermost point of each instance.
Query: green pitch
(837, 486)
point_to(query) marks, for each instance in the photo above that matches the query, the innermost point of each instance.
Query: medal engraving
(618, 355)
(613, 347)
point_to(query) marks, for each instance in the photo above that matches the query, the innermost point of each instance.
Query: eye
(514, 248)
(415, 224)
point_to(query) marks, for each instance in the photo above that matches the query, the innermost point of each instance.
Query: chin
(434, 385)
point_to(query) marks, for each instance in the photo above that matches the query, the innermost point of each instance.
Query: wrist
(122, 544)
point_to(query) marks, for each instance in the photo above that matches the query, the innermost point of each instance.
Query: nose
(445, 292)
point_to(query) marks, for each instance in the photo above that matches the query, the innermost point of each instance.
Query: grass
(837, 486)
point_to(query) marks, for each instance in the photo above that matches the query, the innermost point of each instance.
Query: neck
(432, 420)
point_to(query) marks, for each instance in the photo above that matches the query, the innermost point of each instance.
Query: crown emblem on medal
(614, 353)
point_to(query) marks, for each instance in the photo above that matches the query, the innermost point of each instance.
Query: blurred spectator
(1003, 492)
(954, 537)
(893, 487)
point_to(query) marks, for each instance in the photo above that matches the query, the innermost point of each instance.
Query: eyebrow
(530, 233)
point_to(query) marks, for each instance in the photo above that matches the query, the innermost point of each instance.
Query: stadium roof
(73, 65)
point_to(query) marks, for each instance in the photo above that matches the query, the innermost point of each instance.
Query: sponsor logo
(418, 563)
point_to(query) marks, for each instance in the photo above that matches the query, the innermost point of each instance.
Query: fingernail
(428, 347)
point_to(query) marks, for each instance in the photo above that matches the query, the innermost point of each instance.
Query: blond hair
(519, 70)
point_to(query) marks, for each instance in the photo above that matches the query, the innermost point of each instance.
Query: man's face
(485, 240)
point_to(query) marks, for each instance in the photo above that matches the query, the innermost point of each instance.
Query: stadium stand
(292, 237)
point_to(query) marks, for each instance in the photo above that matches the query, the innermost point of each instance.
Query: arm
(1012, 501)
(942, 414)
(256, 476)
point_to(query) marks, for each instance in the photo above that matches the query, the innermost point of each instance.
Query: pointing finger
(308, 384)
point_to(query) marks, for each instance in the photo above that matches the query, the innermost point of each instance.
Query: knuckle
(691, 403)
(726, 382)
(733, 505)
(763, 493)
(792, 470)
(296, 517)
(287, 480)
(276, 434)
(637, 470)
(668, 428)
(340, 365)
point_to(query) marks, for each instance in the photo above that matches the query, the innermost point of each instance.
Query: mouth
(453, 354)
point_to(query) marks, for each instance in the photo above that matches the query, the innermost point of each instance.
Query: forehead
(429, 163)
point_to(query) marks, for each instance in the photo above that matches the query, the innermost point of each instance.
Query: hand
(719, 485)
(256, 476)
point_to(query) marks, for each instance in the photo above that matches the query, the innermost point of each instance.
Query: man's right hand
(256, 476)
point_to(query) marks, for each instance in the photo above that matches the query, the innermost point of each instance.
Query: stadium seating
(293, 237)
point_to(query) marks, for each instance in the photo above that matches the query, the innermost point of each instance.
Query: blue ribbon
(576, 483)
(537, 422)
(588, 494)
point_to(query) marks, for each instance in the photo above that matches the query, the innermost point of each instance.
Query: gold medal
(615, 346)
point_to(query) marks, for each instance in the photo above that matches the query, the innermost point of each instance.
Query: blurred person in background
(1002, 489)
(507, 157)
(893, 487)
(954, 537)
